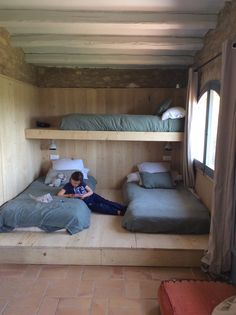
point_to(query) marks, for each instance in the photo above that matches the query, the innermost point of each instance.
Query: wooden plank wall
(20, 159)
(204, 188)
(109, 161)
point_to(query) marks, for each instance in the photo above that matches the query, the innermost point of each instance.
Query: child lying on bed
(77, 188)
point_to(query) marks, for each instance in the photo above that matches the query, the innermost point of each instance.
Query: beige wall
(20, 159)
(109, 161)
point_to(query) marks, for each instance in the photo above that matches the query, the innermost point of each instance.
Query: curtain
(222, 233)
(192, 90)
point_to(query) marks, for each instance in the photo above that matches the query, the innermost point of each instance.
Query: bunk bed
(118, 127)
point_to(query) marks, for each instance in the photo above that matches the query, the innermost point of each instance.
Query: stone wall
(111, 78)
(225, 29)
(12, 62)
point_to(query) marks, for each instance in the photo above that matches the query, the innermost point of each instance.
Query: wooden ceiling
(109, 33)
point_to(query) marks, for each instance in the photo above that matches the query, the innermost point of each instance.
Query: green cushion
(163, 106)
(156, 180)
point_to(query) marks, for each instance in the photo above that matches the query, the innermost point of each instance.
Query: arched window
(205, 123)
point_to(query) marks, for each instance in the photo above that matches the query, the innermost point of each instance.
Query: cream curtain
(222, 232)
(192, 91)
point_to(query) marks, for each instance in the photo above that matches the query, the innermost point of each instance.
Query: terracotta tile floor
(84, 290)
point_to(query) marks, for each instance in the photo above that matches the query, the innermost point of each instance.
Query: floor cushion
(192, 297)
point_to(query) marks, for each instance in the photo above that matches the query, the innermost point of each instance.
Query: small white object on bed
(173, 113)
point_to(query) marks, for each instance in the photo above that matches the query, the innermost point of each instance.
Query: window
(205, 123)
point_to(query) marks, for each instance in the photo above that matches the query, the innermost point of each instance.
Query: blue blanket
(62, 213)
(175, 211)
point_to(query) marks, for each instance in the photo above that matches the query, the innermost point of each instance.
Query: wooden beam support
(160, 19)
(108, 42)
(57, 134)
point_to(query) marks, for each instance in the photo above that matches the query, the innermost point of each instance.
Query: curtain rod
(208, 61)
(213, 58)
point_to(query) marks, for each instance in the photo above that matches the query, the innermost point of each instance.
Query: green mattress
(61, 213)
(175, 211)
(120, 122)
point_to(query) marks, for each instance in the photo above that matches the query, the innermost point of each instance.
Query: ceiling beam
(106, 51)
(159, 18)
(108, 42)
(212, 6)
(116, 61)
(106, 23)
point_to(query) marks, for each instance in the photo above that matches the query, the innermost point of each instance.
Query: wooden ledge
(57, 134)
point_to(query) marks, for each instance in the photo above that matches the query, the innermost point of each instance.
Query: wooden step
(104, 243)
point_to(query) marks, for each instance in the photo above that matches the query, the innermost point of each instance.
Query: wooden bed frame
(57, 134)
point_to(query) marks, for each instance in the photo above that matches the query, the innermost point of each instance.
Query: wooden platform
(104, 243)
(56, 134)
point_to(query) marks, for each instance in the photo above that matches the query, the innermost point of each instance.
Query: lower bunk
(105, 242)
(39, 206)
(159, 210)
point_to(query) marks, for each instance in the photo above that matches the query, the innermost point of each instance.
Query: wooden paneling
(204, 188)
(20, 159)
(55, 102)
(109, 161)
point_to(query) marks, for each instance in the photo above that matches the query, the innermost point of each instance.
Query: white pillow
(173, 113)
(68, 164)
(154, 167)
(52, 175)
(133, 177)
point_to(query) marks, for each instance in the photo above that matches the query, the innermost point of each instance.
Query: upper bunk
(116, 127)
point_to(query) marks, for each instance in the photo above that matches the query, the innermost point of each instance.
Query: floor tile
(109, 288)
(98, 272)
(171, 273)
(75, 306)
(148, 289)
(54, 272)
(85, 288)
(48, 306)
(137, 273)
(99, 307)
(119, 306)
(3, 304)
(132, 289)
(23, 310)
(61, 288)
(12, 270)
(32, 272)
(74, 272)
